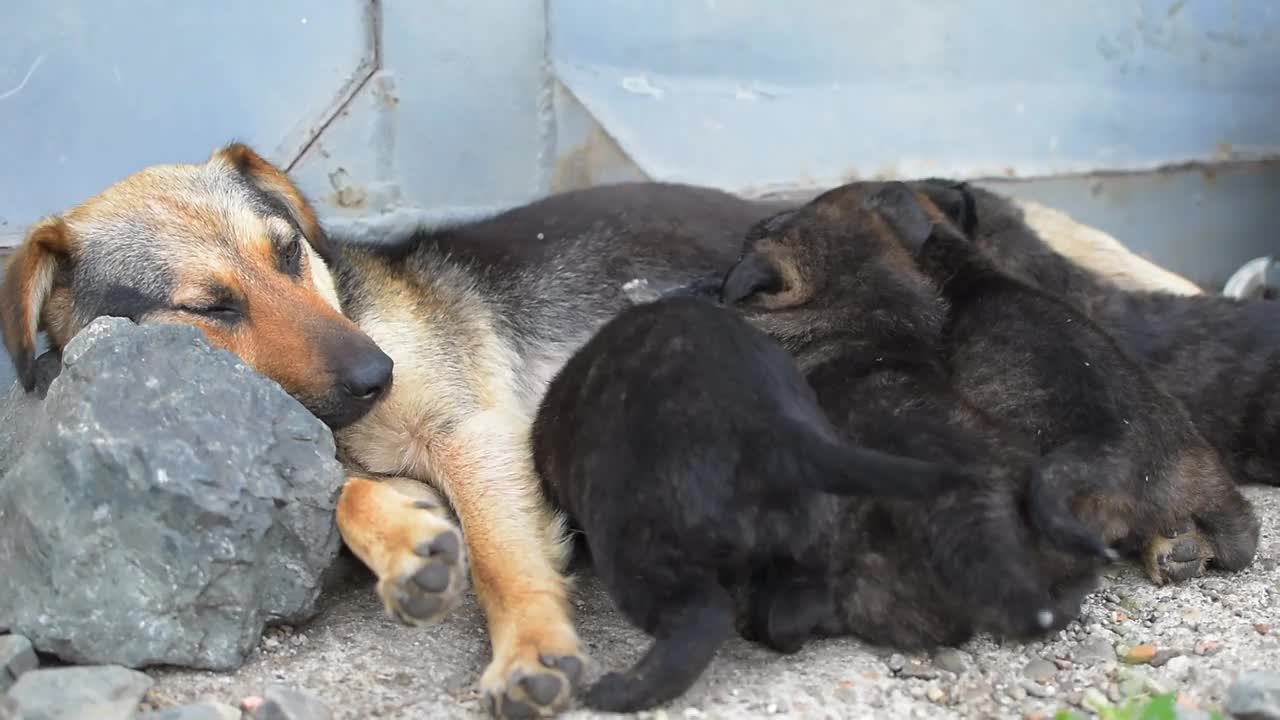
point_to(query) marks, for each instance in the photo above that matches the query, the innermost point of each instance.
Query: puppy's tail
(846, 469)
(684, 643)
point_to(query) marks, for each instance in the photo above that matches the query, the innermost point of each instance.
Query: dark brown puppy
(835, 285)
(1218, 356)
(1115, 446)
(687, 446)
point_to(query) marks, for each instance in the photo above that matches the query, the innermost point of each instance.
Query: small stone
(772, 708)
(692, 713)
(1093, 700)
(952, 660)
(1040, 670)
(199, 711)
(1094, 650)
(1062, 663)
(1262, 628)
(936, 695)
(284, 703)
(1164, 656)
(896, 662)
(919, 670)
(1017, 692)
(103, 692)
(1255, 695)
(1037, 690)
(1140, 654)
(1178, 667)
(16, 658)
(270, 642)
(1208, 647)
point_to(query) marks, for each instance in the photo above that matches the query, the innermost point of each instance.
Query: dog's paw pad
(533, 690)
(431, 579)
(1176, 556)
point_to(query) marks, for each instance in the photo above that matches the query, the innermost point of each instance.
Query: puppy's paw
(429, 573)
(1176, 555)
(535, 676)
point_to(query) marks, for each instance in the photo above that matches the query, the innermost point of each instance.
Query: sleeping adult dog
(471, 321)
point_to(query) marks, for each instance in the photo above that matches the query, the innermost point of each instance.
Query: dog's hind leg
(785, 606)
(685, 640)
(1216, 524)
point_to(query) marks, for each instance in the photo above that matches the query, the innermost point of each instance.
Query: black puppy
(834, 283)
(693, 455)
(1116, 448)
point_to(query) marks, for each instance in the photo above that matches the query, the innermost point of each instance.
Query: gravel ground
(1133, 638)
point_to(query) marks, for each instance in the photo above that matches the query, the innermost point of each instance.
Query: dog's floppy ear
(753, 274)
(28, 281)
(898, 204)
(277, 190)
(954, 200)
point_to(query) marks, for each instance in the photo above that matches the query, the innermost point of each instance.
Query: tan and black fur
(428, 358)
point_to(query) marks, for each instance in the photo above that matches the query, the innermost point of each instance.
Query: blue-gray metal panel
(91, 91)
(752, 94)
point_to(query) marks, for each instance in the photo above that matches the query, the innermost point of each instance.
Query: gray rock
(1040, 670)
(108, 692)
(199, 711)
(283, 703)
(16, 658)
(1093, 650)
(169, 503)
(8, 708)
(1255, 696)
(952, 660)
(21, 406)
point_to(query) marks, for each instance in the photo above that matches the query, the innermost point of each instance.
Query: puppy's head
(841, 263)
(230, 246)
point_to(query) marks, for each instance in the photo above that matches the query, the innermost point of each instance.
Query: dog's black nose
(368, 376)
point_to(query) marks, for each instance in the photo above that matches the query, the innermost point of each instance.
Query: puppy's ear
(898, 204)
(28, 281)
(954, 200)
(753, 274)
(276, 190)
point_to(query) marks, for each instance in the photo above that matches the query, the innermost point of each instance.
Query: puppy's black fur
(1121, 452)
(834, 283)
(1219, 356)
(689, 449)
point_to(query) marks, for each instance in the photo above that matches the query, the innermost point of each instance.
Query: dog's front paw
(1176, 555)
(535, 676)
(429, 569)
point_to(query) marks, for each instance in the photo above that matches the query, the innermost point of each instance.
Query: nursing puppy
(1220, 357)
(1120, 451)
(689, 449)
(835, 285)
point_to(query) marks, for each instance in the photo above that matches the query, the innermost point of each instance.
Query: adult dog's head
(230, 246)
(843, 262)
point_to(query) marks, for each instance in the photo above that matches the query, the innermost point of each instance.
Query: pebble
(1140, 654)
(1262, 628)
(16, 657)
(1094, 700)
(919, 670)
(952, 660)
(896, 662)
(1017, 692)
(1255, 696)
(1037, 690)
(936, 695)
(284, 703)
(199, 711)
(1093, 650)
(1208, 647)
(1178, 667)
(1040, 670)
(101, 692)
(1164, 656)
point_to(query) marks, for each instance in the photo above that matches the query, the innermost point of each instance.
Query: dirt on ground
(1133, 639)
